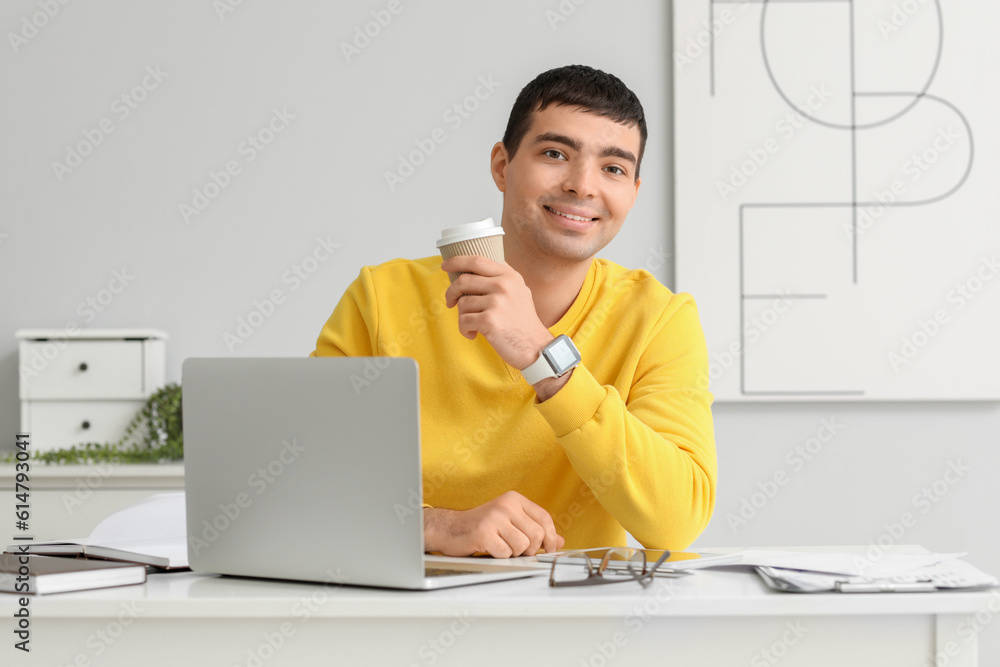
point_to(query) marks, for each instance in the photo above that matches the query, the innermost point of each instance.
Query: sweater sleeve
(649, 457)
(352, 329)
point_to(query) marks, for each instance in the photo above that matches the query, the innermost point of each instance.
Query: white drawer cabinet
(85, 369)
(79, 421)
(88, 386)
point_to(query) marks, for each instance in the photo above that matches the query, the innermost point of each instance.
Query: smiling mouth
(575, 218)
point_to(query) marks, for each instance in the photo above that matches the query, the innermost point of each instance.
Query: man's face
(570, 185)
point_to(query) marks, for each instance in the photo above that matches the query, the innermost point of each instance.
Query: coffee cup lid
(470, 230)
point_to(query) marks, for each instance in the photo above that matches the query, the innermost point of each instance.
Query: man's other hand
(509, 525)
(493, 300)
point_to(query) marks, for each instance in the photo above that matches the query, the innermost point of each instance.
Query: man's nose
(580, 180)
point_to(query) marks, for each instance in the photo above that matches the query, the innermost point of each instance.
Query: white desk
(715, 618)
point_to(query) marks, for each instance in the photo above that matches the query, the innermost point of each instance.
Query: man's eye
(617, 170)
(552, 153)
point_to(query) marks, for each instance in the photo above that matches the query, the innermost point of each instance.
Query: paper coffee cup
(474, 238)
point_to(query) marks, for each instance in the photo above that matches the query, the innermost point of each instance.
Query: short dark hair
(579, 86)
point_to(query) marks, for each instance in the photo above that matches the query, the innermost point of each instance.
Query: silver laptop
(309, 469)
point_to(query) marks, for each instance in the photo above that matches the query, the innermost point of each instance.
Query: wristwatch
(557, 359)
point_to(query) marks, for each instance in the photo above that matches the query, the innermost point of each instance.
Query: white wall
(323, 176)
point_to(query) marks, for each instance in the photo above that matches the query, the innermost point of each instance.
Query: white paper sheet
(857, 565)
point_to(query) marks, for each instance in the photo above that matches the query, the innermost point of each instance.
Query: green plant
(154, 435)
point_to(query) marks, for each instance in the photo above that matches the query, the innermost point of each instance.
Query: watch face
(562, 355)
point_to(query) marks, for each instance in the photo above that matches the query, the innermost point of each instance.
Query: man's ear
(498, 165)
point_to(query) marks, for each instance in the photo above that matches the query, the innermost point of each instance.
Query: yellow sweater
(626, 444)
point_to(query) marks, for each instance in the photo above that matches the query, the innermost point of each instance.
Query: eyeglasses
(625, 565)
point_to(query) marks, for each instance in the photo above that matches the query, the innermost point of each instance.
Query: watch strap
(539, 370)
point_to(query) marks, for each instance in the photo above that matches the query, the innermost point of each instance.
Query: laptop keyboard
(442, 571)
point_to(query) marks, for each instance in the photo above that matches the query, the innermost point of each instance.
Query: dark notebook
(38, 575)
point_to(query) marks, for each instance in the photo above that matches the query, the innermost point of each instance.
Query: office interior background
(221, 171)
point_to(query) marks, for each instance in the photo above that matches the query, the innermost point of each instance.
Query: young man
(624, 440)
